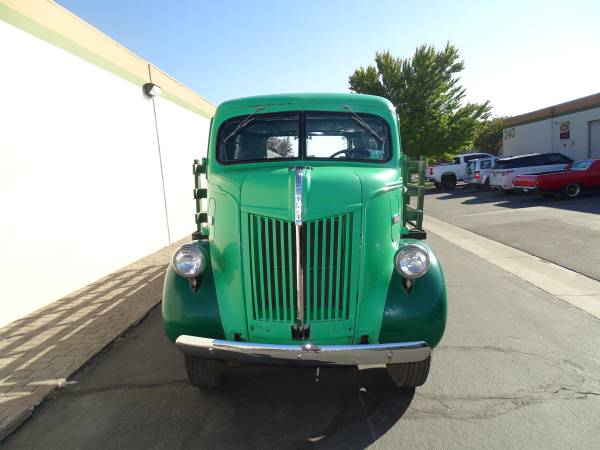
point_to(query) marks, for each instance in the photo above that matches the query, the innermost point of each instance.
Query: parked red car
(580, 176)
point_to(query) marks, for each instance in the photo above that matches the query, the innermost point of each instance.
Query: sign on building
(509, 133)
(565, 129)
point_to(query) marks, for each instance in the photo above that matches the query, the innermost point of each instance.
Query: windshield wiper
(363, 124)
(243, 124)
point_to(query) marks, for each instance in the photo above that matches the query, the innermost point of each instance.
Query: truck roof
(304, 98)
(508, 158)
(475, 153)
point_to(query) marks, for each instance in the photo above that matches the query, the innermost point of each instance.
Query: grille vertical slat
(338, 279)
(308, 290)
(322, 274)
(330, 250)
(326, 245)
(290, 271)
(284, 276)
(261, 265)
(268, 268)
(251, 220)
(345, 285)
(314, 270)
(276, 250)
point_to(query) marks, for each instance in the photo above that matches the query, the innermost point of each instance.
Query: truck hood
(326, 191)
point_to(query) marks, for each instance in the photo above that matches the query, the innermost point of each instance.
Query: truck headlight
(189, 261)
(412, 261)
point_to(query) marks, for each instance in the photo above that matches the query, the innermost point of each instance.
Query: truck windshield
(324, 135)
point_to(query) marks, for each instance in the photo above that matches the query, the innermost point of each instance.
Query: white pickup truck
(445, 176)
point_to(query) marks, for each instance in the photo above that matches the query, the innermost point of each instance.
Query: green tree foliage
(280, 145)
(428, 97)
(489, 136)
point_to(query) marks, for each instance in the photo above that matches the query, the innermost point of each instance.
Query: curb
(571, 287)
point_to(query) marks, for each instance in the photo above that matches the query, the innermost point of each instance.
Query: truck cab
(308, 250)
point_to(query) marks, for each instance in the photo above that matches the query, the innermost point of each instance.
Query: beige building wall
(81, 183)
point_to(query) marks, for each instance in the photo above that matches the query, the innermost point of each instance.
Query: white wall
(544, 136)
(183, 138)
(80, 186)
(529, 138)
(577, 146)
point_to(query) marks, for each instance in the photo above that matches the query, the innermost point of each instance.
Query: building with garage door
(571, 128)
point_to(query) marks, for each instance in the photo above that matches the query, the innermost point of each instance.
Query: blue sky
(519, 55)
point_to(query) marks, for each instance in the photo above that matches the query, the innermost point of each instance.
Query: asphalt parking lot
(517, 368)
(563, 231)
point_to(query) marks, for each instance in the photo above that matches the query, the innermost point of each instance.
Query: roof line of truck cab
(306, 98)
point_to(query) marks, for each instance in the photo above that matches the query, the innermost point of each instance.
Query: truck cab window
(262, 138)
(344, 136)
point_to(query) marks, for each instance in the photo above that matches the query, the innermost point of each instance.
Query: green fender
(188, 312)
(418, 315)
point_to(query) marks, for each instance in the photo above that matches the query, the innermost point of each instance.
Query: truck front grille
(326, 255)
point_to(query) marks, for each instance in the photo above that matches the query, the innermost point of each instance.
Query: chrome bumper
(306, 354)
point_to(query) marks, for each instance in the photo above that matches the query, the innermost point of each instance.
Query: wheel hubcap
(572, 190)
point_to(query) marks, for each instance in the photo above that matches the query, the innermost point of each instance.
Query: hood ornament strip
(298, 195)
(300, 328)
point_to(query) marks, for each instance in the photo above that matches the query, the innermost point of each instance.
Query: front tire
(410, 374)
(204, 372)
(572, 190)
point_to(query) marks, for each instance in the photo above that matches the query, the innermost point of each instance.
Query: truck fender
(189, 311)
(418, 314)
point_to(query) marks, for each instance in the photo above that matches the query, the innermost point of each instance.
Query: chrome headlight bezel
(198, 260)
(400, 263)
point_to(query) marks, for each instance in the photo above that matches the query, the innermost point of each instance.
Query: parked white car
(478, 172)
(447, 175)
(506, 169)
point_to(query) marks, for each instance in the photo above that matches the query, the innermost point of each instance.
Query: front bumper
(306, 354)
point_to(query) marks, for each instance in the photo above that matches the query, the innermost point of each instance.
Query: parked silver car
(478, 172)
(506, 169)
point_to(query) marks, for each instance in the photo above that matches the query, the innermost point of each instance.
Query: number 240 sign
(509, 133)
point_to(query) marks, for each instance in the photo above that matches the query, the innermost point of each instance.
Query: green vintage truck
(308, 251)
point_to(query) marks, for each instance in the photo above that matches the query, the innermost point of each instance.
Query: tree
(489, 136)
(280, 145)
(428, 98)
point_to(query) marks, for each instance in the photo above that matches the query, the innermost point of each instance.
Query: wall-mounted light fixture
(151, 90)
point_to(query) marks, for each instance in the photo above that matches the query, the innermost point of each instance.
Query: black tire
(448, 182)
(410, 374)
(572, 190)
(486, 185)
(437, 185)
(204, 372)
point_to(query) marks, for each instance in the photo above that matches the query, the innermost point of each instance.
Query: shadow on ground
(586, 203)
(136, 395)
(40, 349)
